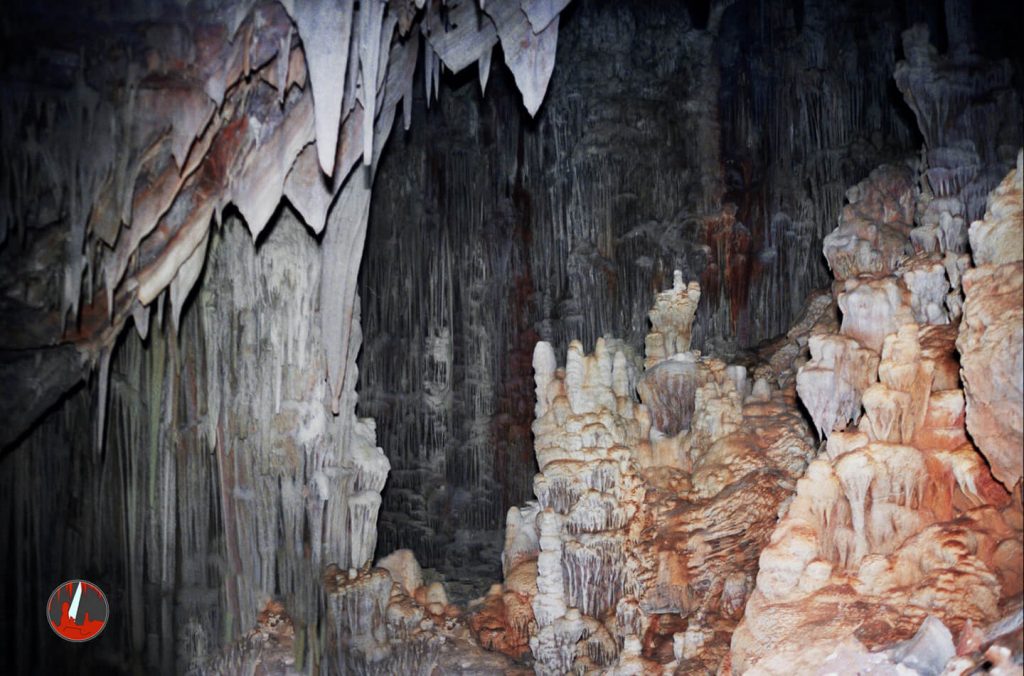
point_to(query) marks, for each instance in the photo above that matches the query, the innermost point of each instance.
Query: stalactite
(325, 33)
(529, 51)
(371, 17)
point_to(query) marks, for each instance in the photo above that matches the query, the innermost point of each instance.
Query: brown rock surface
(991, 342)
(903, 520)
(642, 549)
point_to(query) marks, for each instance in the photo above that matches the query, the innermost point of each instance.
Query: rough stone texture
(404, 570)
(833, 381)
(902, 532)
(991, 343)
(640, 551)
(889, 564)
(664, 143)
(873, 307)
(873, 227)
(991, 340)
(999, 237)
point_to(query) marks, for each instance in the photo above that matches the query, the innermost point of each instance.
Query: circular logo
(77, 610)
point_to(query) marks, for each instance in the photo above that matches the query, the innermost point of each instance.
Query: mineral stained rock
(904, 533)
(684, 520)
(248, 102)
(640, 550)
(991, 340)
(702, 516)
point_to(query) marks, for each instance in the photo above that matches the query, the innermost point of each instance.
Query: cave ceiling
(128, 134)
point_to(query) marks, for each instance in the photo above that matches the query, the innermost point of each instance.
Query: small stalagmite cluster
(641, 548)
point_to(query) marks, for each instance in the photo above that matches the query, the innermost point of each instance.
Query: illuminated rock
(672, 320)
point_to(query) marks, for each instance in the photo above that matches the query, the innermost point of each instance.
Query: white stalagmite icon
(73, 611)
(77, 610)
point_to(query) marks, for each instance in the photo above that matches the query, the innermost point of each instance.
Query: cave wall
(224, 480)
(718, 144)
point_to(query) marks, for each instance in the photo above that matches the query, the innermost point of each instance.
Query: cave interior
(514, 336)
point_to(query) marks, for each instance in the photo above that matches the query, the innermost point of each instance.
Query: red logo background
(92, 611)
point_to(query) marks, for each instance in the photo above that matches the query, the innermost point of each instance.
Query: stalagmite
(710, 491)
(903, 500)
(672, 320)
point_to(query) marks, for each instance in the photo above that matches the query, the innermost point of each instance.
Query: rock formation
(285, 99)
(907, 521)
(640, 550)
(133, 139)
(990, 340)
(908, 528)
(702, 515)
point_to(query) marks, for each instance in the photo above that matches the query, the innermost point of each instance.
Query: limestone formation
(902, 524)
(999, 237)
(873, 307)
(873, 228)
(672, 320)
(832, 383)
(991, 338)
(641, 548)
(238, 126)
